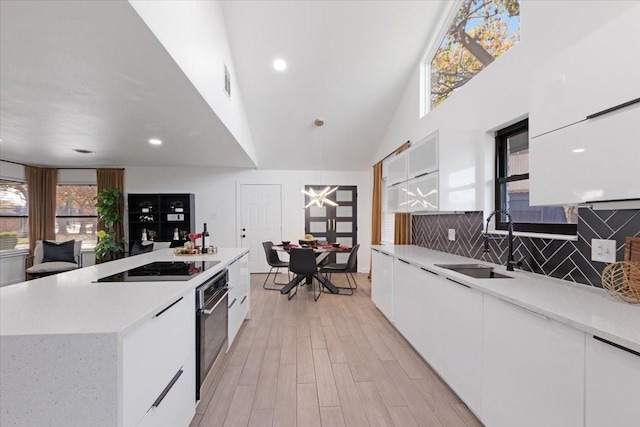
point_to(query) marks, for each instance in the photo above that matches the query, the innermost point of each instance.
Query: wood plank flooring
(335, 362)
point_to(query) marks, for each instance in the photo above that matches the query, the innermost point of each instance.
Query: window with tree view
(481, 31)
(14, 215)
(512, 188)
(76, 216)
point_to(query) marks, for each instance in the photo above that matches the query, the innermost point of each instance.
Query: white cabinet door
(153, 353)
(533, 369)
(596, 73)
(462, 368)
(429, 341)
(612, 385)
(405, 308)
(397, 198)
(397, 170)
(422, 193)
(589, 161)
(238, 296)
(423, 156)
(461, 170)
(382, 282)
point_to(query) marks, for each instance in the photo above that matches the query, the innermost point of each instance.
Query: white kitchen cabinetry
(612, 385)
(382, 282)
(596, 73)
(238, 295)
(397, 169)
(429, 306)
(533, 369)
(422, 193)
(590, 161)
(405, 320)
(423, 157)
(153, 355)
(462, 323)
(397, 198)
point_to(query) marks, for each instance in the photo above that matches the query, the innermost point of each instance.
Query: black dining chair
(302, 262)
(274, 261)
(347, 269)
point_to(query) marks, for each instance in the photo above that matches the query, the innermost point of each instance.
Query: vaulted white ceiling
(91, 75)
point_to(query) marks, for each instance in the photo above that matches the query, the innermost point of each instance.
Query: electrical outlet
(603, 250)
(452, 234)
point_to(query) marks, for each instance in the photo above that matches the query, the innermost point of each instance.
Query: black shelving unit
(160, 215)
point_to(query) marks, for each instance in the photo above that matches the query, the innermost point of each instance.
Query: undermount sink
(477, 271)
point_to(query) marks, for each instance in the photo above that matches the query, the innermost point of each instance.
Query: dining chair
(274, 261)
(302, 262)
(346, 268)
(50, 257)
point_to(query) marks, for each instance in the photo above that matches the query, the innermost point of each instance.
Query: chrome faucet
(511, 262)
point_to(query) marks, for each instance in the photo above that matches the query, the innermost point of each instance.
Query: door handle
(243, 236)
(328, 224)
(334, 224)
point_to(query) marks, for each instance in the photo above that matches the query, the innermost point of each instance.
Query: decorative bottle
(144, 234)
(176, 235)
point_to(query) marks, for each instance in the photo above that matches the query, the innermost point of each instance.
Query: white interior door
(261, 220)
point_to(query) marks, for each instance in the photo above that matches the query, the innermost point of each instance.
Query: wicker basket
(622, 279)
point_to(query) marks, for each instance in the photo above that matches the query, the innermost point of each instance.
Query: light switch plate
(452, 234)
(603, 250)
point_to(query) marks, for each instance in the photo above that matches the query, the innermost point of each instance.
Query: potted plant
(109, 247)
(8, 240)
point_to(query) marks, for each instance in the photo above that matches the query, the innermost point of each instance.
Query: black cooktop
(170, 271)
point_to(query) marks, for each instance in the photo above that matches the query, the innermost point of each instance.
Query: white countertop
(71, 303)
(587, 308)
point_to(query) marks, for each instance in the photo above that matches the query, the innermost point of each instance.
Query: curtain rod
(23, 164)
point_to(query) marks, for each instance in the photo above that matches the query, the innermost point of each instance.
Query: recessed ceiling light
(82, 151)
(579, 150)
(155, 141)
(279, 64)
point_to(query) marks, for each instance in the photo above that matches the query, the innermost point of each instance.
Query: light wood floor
(334, 362)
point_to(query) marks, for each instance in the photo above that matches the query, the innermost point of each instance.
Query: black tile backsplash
(564, 259)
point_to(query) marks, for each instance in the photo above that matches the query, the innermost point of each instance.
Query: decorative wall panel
(564, 259)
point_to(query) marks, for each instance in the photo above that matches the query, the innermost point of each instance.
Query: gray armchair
(55, 258)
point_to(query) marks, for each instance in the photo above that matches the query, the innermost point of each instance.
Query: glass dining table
(321, 255)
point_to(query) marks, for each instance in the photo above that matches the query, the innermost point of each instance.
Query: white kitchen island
(74, 352)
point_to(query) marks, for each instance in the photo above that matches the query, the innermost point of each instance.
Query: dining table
(322, 252)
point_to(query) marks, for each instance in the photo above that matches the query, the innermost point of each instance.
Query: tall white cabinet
(382, 282)
(238, 295)
(583, 123)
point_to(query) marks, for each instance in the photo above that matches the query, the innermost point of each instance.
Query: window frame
(500, 192)
(22, 182)
(84, 242)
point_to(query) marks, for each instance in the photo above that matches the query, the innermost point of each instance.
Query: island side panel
(59, 380)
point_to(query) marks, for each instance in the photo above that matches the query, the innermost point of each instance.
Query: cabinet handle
(458, 283)
(242, 302)
(167, 389)
(628, 350)
(401, 260)
(233, 302)
(612, 109)
(428, 271)
(174, 303)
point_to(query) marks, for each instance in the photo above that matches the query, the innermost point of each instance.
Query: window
(14, 215)
(481, 31)
(76, 215)
(512, 188)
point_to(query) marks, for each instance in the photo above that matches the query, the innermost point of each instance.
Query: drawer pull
(612, 109)
(243, 299)
(233, 302)
(174, 303)
(428, 271)
(458, 283)
(628, 350)
(401, 260)
(167, 389)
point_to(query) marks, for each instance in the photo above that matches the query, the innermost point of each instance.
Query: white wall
(498, 95)
(216, 198)
(195, 35)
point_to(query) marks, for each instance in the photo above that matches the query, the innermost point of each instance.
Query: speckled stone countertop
(72, 303)
(583, 307)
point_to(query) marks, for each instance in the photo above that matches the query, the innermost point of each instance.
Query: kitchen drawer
(153, 353)
(177, 407)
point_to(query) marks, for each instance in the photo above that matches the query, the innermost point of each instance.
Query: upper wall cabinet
(423, 157)
(599, 72)
(397, 169)
(461, 171)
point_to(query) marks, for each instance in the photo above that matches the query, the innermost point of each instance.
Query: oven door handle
(209, 311)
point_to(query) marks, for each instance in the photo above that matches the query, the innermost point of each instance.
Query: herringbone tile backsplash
(564, 259)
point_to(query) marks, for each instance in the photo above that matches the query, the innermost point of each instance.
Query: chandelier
(319, 199)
